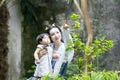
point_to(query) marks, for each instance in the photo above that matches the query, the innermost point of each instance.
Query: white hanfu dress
(44, 68)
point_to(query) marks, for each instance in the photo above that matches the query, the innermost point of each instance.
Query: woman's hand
(65, 26)
(55, 56)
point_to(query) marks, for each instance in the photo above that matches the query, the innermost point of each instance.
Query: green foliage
(73, 69)
(75, 16)
(28, 11)
(97, 48)
(47, 77)
(77, 25)
(100, 75)
(31, 70)
(105, 75)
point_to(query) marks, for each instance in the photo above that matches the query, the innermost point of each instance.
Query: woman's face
(55, 35)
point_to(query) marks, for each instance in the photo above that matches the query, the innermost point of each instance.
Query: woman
(59, 48)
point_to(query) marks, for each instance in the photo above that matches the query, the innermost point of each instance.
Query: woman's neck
(56, 46)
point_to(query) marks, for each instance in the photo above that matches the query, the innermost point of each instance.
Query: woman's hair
(51, 27)
(40, 37)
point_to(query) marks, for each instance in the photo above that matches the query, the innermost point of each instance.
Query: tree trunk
(89, 28)
(3, 42)
(86, 17)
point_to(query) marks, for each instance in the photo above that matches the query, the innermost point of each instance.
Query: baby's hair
(40, 37)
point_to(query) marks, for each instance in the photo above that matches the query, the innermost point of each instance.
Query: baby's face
(45, 40)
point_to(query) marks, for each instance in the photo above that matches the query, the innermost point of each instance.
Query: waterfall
(14, 41)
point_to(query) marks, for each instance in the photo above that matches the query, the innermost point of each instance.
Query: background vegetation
(38, 14)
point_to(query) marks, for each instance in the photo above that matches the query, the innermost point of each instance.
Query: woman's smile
(55, 35)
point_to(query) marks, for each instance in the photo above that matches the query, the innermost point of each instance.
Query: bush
(100, 75)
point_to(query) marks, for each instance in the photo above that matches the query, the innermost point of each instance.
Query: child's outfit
(45, 67)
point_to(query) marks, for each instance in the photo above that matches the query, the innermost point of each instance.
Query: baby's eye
(58, 32)
(52, 34)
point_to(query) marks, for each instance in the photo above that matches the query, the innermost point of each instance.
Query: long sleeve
(50, 51)
(59, 62)
(67, 38)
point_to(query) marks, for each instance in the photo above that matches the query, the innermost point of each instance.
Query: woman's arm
(67, 38)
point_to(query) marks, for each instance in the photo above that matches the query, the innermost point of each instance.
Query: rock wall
(108, 15)
(111, 23)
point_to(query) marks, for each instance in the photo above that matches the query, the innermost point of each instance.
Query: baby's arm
(43, 52)
(36, 55)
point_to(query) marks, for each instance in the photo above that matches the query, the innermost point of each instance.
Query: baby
(43, 56)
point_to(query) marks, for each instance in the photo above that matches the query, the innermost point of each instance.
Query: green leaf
(75, 16)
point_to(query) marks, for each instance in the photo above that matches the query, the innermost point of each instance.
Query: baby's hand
(37, 61)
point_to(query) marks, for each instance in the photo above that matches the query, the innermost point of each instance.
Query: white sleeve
(59, 62)
(70, 54)
(67, 38)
